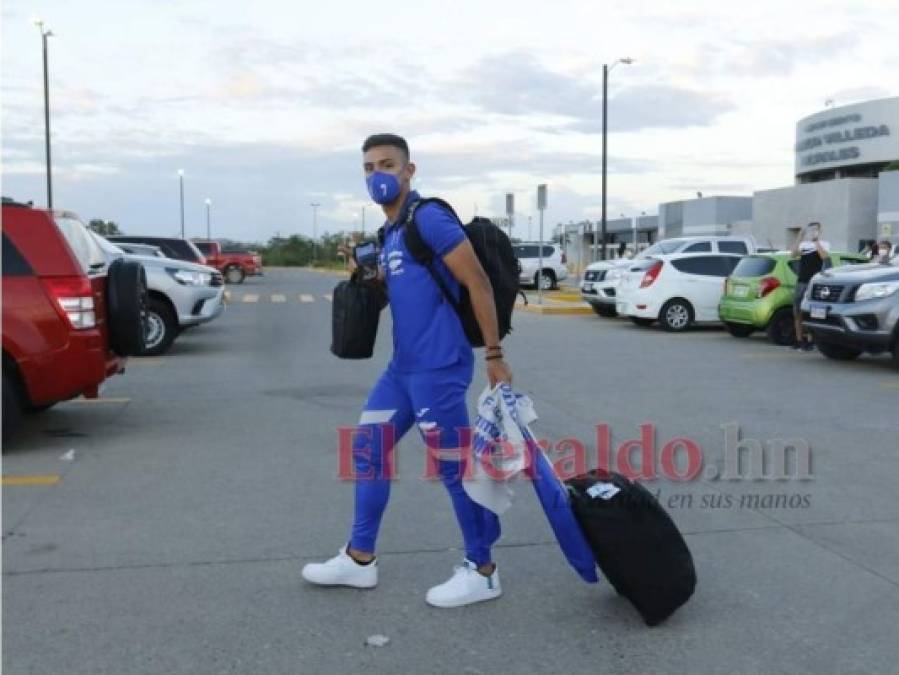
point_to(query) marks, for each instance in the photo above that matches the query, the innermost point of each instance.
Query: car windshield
(107, 246)
(661, 247)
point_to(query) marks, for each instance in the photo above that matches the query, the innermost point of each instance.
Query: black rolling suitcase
(635, 542)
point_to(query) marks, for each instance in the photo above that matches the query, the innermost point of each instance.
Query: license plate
(588, 286)
(819, 312)
(741, 291)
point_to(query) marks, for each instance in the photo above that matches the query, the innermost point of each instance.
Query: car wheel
(126, 300)
(837, 352)
(12, 406)
(676, 316)
(640, 321)
(781, 330)
(604, 310)
(545, 280)
(162, 327)
(234, 274)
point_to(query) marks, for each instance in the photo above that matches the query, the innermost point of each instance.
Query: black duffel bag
(355, 309)
(636, 544)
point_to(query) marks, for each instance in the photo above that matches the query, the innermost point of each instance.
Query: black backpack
(495, 253)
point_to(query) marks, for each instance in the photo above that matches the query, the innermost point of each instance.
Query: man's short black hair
(386, 139)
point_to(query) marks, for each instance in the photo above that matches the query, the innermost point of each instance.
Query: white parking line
(328, 297)
(277, 297)
(305, 297)
(251, 297)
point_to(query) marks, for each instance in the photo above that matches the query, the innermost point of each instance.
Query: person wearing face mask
(424, 384)
(812, 253)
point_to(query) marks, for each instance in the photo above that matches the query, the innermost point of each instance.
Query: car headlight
(876, 290)
(189, 277)
(613, 275)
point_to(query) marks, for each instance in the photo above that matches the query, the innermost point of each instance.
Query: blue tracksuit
(424, 384)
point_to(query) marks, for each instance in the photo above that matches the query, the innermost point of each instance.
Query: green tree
(104, 228)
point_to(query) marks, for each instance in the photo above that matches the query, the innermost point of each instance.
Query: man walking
(424, 384)
(811, 253)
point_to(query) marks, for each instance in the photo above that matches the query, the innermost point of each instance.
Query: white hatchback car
(677, 290)
(554, 268)
(601, 278)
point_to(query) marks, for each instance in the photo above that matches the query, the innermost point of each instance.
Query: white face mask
(883, 251)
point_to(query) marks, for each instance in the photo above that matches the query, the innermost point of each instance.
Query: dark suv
(179, 249)
(69, 317)
(854, 309)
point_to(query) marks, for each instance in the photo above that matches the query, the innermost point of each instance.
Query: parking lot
(162, 527)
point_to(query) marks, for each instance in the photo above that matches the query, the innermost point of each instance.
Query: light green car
(758, 295)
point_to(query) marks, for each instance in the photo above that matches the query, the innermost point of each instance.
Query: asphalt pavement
(162, 528)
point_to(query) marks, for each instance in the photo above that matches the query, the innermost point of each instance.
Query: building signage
(826, 138)
(858, 134)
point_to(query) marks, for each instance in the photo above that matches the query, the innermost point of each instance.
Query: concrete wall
(704, 216)
(847, 208)
(888, 206)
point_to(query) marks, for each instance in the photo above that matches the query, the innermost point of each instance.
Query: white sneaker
(342, 570)
(465, 587)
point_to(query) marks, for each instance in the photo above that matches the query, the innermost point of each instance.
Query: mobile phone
(366, 256)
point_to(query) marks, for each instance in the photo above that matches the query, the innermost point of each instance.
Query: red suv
(69, 317)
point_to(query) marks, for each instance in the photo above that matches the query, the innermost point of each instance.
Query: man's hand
(498, 371)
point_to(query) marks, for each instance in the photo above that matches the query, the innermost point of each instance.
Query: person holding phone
(424, 384)
(812, 252)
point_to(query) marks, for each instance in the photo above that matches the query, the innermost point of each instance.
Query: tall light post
(181, 186)
(606, 69)
(314, 206)
(45, 33)
(208, 219)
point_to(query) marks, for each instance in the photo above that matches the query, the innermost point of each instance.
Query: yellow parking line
(227, 296)
(305, 297)
(277, 297)
(328, 297)
(111, 399)
(51, 479)
(251, 297)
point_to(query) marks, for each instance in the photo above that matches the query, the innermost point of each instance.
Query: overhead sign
(864, 133)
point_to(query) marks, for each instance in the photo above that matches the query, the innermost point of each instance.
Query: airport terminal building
(843, 158)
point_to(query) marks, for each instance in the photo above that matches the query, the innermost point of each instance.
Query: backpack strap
(423, 253)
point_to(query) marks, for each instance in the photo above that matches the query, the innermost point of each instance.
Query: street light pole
(314, 206)
(208, 219)
(181, 186)
(605, 132)
(44, 35)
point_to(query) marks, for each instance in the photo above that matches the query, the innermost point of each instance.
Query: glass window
(14, 263)
(526, 251)
(738, 247)
(85, 248)
(704, 265)
(754, 266)
(205, 248)
(548, 251)
(662, 247)
(698, 247)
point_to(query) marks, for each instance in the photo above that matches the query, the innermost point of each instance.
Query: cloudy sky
(265, 104)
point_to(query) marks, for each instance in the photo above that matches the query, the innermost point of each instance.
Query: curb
(555, 309)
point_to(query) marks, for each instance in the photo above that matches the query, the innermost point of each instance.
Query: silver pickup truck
(854, 309)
